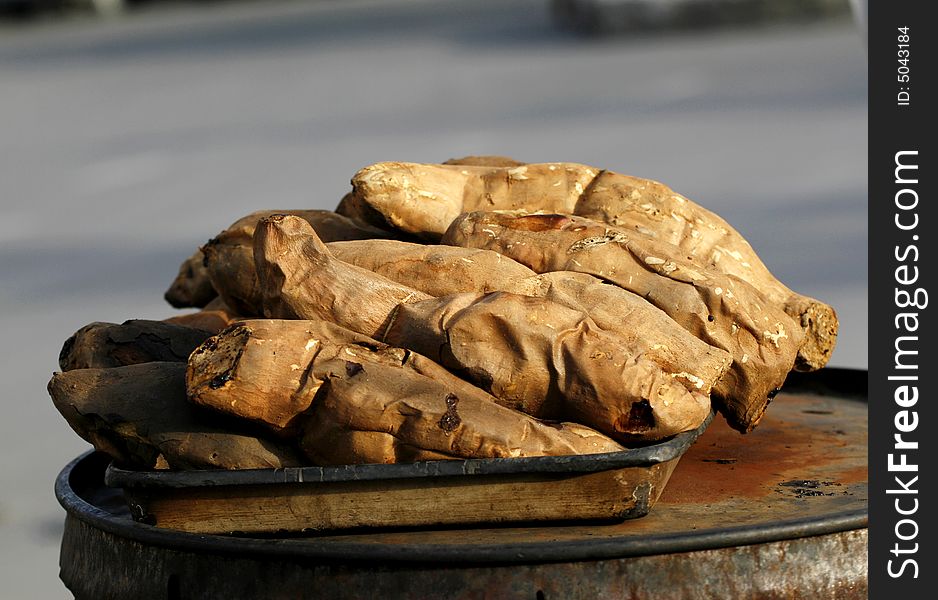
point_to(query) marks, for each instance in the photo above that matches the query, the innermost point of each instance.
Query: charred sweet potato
(101, 345)
(139, 415)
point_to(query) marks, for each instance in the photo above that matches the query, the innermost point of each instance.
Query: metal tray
(608, 486)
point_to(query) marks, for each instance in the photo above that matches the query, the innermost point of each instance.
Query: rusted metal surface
(778, 513)
(98, 565)
(808, 456)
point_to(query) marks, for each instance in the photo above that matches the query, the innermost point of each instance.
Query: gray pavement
(125, 144)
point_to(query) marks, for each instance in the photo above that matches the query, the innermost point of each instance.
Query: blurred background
(131, 132)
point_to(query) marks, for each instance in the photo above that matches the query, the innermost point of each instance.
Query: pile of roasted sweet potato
(477, 308)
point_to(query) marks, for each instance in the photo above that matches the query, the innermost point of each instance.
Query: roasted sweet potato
(530, 353)
(139, 415)
(446, 270)
(652, 208)
(357, 400)
(192, 287)
(553, 362)
(263, 370)
(423, 199)
(721, 310)
(225, 264)
(386, 412)
(299, 279)
(101, 345)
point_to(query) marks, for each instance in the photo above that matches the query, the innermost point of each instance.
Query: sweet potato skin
(229, 257)
(552, 362)
(380, 412)
(192, 287)
(139, 415)
(446, 270)
(299, 279)
(431, 269)
(651, 208)
(101, 345)
(721, 310)
(264, 370)
(422, 200)
(355, 400)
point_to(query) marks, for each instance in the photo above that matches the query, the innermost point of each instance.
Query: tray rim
(645, 456)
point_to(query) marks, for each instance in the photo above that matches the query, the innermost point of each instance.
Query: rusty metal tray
(607, 486)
